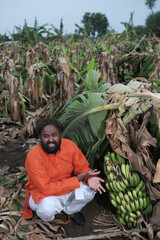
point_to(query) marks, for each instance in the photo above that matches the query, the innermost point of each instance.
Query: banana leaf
(84, 122)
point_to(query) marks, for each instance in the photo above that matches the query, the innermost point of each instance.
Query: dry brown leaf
(4, 228)
(37, 237)
(124, 143)
(3, 170)
(120, 141)
(156, 178)
(154, 193)
(11, 213)
(13, 85)
(155, 218)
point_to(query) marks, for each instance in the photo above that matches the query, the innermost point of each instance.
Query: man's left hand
(95, 184)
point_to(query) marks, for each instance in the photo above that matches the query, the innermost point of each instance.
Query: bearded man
(52, 187)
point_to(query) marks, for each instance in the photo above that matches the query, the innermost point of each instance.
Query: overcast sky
(13, 12)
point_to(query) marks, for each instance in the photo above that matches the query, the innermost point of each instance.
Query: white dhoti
(69, 203)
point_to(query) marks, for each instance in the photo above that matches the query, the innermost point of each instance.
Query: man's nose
(51, 138)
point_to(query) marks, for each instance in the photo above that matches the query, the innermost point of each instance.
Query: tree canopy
(151, 4)
(95, 24)
(153, 23)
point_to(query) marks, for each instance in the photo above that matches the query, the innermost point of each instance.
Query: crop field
(106, 92)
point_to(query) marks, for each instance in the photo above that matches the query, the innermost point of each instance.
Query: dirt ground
(13, 154)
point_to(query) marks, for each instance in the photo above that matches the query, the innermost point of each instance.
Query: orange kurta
(50, 175)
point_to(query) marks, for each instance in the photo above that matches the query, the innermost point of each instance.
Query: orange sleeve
(38, 175)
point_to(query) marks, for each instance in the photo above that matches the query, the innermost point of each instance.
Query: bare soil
(13, 154)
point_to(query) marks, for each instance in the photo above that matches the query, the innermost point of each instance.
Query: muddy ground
(13, 154)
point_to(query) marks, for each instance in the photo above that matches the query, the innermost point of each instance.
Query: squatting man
(52, 187)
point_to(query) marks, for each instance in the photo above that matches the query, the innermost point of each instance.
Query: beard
(47, 149)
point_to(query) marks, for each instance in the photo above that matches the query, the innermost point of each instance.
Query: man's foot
(78, 218)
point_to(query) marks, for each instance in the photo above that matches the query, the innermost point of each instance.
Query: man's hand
(95, 184)
(82, 176)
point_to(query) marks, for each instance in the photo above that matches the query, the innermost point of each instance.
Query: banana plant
(84, 115)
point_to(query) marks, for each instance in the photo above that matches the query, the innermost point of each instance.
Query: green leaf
(84, 121)
(157, 88)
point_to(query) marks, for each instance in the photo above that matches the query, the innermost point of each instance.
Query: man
(51, 186)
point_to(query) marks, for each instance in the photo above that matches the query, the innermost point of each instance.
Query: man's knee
(46, 213)
(48, 208)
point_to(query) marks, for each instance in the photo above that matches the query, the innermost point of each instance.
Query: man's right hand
(82, 176)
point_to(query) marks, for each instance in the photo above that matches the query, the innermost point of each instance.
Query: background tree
(95, 24)
(140, 30)
(151, 4)
(4, 38)
(153, 23)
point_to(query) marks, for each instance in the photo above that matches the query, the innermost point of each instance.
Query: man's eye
(45, 136)
(54, 135)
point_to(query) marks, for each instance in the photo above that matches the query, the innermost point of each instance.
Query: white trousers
(69, 203)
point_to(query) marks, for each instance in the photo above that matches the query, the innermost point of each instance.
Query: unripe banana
(130, 195)
(138, 213)
(139, 186)
(140, 194)
(131, 219)
(144, 202)
(136, 204)
(134, 193)
(123, 209)
(140, 200)
(112, 186)
(125, 180)
(113, 157)
(129, 224)
(133, 215)
(108, 169)
(108, 186)
(115, 186)
(118, 199)
(148, 209)
(112, 196)
(114, 203)
(121, 195)
(111, 176)
(127, 197)
(118, 170)
(143, 188)
(128, 207)
(127, 218)
(123, 169)
(131, 179)
(133, 205)
(109, 156)
(121, 187)
(127, 171)
(120, 159)
(136, 178)
(122, 221)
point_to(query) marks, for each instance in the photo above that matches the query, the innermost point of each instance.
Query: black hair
(48, 121)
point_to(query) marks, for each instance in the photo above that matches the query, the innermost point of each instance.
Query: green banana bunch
(127, 191)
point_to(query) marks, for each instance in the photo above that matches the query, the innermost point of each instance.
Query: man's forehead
(49, 128)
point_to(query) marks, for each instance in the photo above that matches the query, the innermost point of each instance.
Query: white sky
(13, 12)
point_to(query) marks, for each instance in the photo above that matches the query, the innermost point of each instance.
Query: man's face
(50, 139)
